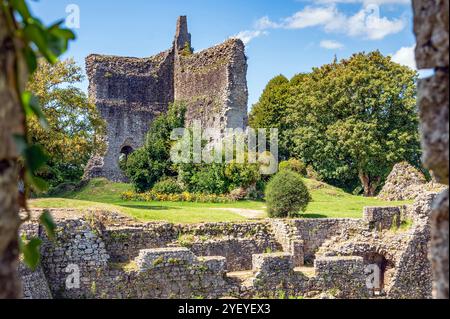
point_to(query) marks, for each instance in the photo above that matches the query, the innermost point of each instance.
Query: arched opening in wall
(123, 156)
(379, 271)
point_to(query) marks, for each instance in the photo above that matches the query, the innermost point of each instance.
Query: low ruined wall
(335, 277)
(314, 232)
(237, 251)
(124, 243)
(163, 274)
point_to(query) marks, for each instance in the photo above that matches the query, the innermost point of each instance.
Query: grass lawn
(328, 202)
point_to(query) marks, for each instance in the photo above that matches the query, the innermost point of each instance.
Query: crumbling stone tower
(130, 92)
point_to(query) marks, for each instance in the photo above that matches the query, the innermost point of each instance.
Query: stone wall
(334, 277)
(314, 232)
(431, 27)
(399, 252)
(130, 92)
(213, 84)
(118, 257)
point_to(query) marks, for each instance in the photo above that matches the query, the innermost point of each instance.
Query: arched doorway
(123, 156)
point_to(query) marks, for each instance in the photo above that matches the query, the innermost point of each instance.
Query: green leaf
(21, 7)
(36, 34)
(31, 105)
(35, 157)
(30, 250)
(31, 59)
(38, 183)
(47, 221)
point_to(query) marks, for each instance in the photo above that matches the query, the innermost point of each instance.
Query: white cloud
(247, 36)
(406, 56)
(331, 44)
(310, 17)
(266, 23)
(367, 23)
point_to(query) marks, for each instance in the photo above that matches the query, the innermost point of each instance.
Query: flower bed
(152, 196)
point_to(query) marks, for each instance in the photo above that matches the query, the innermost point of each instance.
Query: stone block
(381, 218)
(215, 264)
(273, 263)
(163, 257)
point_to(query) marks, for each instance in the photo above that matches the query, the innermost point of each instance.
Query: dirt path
(247, 213)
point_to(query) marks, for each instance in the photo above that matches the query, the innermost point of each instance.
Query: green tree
(75, 129)
(270, 111)
(355, 119)
(149, 164)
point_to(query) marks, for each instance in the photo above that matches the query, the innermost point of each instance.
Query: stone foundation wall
(116, 257)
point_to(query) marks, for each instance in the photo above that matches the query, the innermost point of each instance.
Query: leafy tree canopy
(356, 118)
(75, 129)
(351, 120)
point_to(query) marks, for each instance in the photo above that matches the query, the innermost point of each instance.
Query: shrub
(286, 195)
(142, 172)
(209, 179)
(168, 186)
(242, 175)
(294, 165)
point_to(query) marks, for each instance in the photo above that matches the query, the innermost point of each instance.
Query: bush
(168, 186)
(286, 195)
(238, 194)
(294, 165)
(209, 179)
(242, 175)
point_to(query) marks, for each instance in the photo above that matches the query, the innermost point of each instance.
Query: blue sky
(282, 36)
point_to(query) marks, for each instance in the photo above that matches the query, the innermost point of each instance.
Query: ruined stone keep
(130, 92)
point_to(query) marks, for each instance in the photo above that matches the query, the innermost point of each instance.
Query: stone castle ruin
(130, 92)
(101, 254)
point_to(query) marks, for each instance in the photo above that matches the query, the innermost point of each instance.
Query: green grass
(328, 202)
(332, 202)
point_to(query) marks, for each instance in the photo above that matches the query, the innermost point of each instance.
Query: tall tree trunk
(369, 184)
(11, 122)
